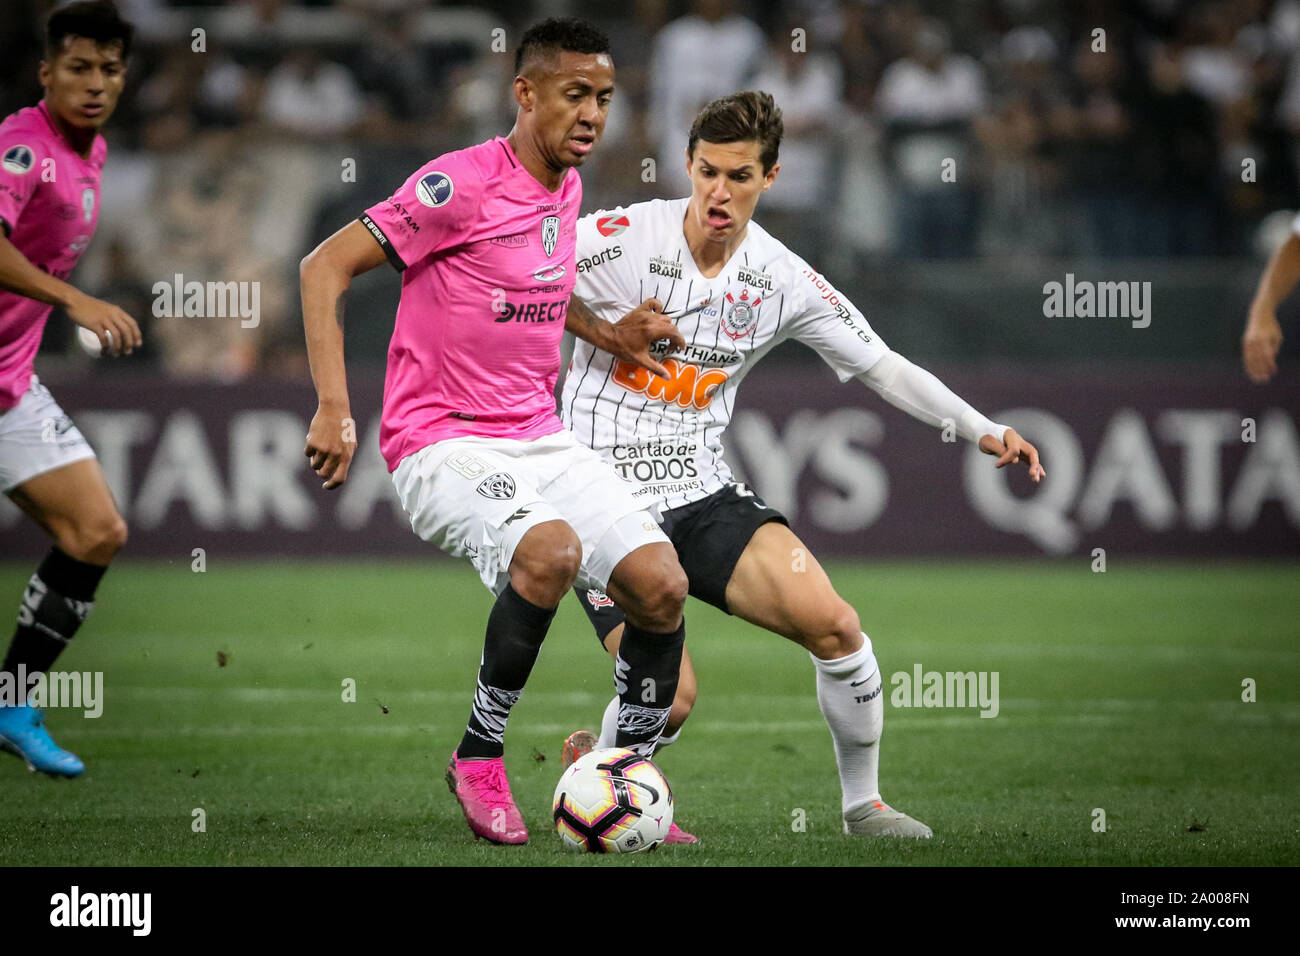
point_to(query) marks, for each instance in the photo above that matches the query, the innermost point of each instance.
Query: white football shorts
(476, 497)
(37, 436)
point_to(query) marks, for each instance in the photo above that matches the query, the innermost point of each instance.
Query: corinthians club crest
(740, 318)
(550, 233)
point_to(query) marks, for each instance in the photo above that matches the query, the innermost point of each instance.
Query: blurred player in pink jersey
(485, 241)
(51, 156)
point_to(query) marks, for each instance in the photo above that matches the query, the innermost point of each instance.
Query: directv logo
(434, 189)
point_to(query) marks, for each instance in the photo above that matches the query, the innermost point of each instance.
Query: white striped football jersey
(665, 435)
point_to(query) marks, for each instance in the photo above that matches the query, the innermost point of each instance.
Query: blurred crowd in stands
(998, 130)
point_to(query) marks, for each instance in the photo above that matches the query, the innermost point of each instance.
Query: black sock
(515, 630)
(58, 598)
(646, 677)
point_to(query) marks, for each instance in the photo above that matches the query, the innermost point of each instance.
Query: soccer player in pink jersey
(51, 156)
(484, 238)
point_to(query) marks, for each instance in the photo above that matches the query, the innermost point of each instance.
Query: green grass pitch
(1120, 691)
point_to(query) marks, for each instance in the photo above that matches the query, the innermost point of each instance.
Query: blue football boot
(22, 732)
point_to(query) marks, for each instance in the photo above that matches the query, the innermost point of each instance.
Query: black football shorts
(709, 535)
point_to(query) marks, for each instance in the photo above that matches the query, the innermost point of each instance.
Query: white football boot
(879, 819)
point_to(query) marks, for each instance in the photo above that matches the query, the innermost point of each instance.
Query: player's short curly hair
(550, 37)
(97, 20)
(737, 118)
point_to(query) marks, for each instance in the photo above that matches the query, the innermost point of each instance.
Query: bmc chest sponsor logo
(434, 189)
(18, 160)
(741, 313)
(666, 268)
(600, 258)
(609, 226)
(755, 279)
(550, 233)
(688, 386)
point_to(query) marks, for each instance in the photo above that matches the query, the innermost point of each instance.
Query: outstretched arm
(115, 330)
(628, 339)
(914, 390)
(1263, 336)
(326, 273)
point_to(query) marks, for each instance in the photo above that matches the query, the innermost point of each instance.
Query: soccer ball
(613, 801)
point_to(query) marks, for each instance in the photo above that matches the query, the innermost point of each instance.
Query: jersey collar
(54, 128)
(513, 157)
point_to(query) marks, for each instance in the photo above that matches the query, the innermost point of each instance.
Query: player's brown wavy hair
(750, 115)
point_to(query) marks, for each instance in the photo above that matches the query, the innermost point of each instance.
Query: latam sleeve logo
(18, 160)
(434, 189)
(611, 225)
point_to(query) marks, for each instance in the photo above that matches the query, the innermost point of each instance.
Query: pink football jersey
(486, 254)
(49, 205)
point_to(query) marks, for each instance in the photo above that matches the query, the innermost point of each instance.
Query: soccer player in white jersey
(735, 292)
(51, 158)
(484, 238)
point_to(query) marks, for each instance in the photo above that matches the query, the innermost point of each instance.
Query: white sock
(850, 696)
(667, 739)
(608, 726)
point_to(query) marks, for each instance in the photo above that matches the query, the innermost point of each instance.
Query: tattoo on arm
(586, 324)
(580, 311)
(338, 308)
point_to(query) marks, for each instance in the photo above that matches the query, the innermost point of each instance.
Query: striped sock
(515, 631)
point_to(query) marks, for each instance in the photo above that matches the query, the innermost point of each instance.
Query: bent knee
(546, 563)
(650, 586)
(838, 633)
(674, 586)
(95, 542)
(662, 595)
(566, 561)
(113, 535)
